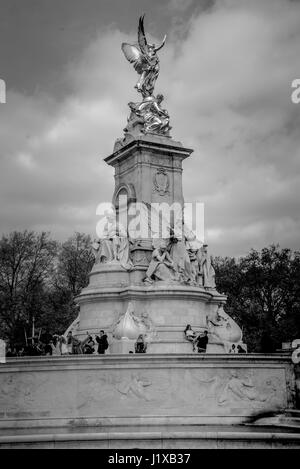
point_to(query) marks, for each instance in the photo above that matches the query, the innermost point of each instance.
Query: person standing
(70, 343)
(202, 342)
(102, 342)
(87, 344)
(140, 346)
(63, 345)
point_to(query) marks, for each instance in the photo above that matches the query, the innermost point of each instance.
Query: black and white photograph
(150, 227)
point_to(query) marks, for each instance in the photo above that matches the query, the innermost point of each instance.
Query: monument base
(143, 389)
(144, 400)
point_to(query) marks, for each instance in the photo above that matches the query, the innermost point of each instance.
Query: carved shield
(161, 181)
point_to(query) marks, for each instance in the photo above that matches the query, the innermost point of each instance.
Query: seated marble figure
(161, 266)
(113, 245)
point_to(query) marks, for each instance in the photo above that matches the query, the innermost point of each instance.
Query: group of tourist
(70, 345)
(56, 344)
(200, 341)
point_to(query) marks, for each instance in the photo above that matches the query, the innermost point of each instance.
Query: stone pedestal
(169, 308)
(148, 169)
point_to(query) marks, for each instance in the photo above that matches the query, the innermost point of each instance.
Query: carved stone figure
(144, 59)
(193, 246)
(181, 260)
(241, 388)
(146, 116)
(195, 271)
(161, 266)
(207, 269)
(149, 114)
(135, 387)
(113, 246)
(222, 329)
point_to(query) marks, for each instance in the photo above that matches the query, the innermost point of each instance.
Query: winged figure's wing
(134, 56)
(142, 37)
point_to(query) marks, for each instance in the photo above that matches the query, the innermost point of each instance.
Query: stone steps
(154, 439)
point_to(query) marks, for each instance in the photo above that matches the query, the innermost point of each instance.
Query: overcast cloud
(226, 74)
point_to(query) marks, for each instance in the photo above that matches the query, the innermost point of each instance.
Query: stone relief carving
(130, 326)
(141, 259)
(161, 181)
(224, 389)
(241, 388)
(135, 387)
(214, 391)
(20, 392)
(270, 389)
(208, 387)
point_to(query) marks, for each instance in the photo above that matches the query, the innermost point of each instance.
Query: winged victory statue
(145, 60)
(146, 116)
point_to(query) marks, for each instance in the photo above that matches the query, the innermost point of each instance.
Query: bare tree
(26, 268)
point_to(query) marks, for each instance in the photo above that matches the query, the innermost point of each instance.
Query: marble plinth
(150, 389)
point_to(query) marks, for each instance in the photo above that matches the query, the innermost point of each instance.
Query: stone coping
(93, 293)
(144, 361)
(158, 145)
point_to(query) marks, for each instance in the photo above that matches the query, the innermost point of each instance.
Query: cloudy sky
(226, 73)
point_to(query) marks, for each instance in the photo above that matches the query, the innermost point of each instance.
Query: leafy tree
(263, 291)
(75, 261)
